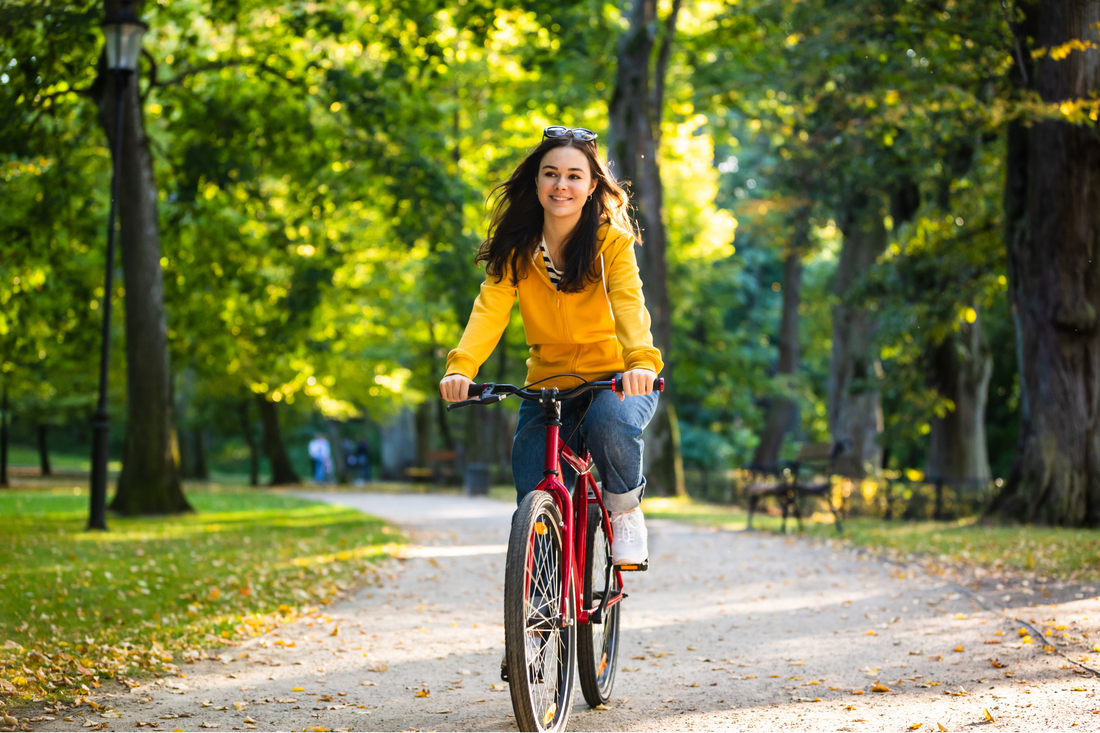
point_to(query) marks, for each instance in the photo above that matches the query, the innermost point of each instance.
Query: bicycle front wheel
(598, 646)
(540, 641)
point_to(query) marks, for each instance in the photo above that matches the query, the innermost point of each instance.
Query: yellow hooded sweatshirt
(600, 331)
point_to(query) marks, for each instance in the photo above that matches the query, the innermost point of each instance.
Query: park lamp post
(122, 34)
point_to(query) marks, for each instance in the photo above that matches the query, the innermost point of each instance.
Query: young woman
(561, 239)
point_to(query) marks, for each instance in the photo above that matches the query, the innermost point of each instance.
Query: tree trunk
(781, 410)
(339, 456)
(501, 448)
(635, 113)
(43, 450)
(855, 404)
(4, 438)
(398, 445)
(444, 426)
(423, 422)
(250, 440)
(198, 442)
(149, 482)
(959, 369)
(1054, 256)
(282, 473)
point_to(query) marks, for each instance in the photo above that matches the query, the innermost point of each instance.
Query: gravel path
(727, 630)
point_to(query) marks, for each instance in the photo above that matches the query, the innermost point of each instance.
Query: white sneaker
(630, 544)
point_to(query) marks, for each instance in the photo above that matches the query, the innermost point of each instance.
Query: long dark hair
(515, 225)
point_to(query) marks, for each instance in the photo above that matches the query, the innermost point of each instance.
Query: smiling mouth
(556, 198)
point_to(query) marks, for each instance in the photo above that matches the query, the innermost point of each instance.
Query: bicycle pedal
(635, 567)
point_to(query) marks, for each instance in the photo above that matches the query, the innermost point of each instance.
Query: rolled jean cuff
(624, 502)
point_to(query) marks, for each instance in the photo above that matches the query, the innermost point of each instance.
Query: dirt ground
(727, 630)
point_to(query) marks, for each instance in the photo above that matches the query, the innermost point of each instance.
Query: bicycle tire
(540, 646)
(598, 644)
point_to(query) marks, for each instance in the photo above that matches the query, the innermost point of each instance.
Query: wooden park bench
(807, 475)
(442, 467)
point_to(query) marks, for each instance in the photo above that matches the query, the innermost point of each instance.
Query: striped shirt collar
(554, 273)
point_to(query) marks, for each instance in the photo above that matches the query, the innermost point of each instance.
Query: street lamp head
(123, 33)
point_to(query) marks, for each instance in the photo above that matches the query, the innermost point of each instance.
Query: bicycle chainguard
(634, 567)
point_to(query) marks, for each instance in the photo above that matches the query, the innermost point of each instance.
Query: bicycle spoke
(542, 608)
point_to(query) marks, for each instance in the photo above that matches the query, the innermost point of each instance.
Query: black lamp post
(122, 35)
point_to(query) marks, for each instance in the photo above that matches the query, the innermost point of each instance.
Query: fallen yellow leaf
(879, 687)
(959, 648)
(423, 693)
(915, 726)
(989, 715)
(872, 632)
(857, 692)
(335, 631)
(297, 689)
(941, 726)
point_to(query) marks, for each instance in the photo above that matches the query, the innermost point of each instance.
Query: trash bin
(477, 479)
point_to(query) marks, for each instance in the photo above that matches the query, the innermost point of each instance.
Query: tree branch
(662, 69)
(215, 66)
(197, 70)
(1016, 42)
(41, 100)
(152, 73)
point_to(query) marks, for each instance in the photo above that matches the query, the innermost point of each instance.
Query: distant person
(362, 460)
(321, 455)
(350, 459)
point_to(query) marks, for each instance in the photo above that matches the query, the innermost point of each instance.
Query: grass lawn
(1072, 554)
(78, 607)
(21, 455)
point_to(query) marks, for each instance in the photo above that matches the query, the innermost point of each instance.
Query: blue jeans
(612, 432)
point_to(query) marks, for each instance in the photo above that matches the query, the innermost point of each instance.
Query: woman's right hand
(455, 388)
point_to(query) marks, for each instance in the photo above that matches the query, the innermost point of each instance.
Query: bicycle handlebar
(489, 392)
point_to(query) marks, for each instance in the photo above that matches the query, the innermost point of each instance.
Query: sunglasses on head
(579, 133)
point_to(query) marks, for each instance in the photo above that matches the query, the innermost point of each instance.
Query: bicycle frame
(574, 519)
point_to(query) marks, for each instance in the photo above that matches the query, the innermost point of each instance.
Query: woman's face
(565, 182)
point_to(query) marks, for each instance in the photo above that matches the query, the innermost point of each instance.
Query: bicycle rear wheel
(540, 643)
(598, 646)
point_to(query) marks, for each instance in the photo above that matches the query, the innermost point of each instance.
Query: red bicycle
(559, 576)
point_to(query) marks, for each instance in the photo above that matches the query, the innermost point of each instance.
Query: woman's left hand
(637, 382)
